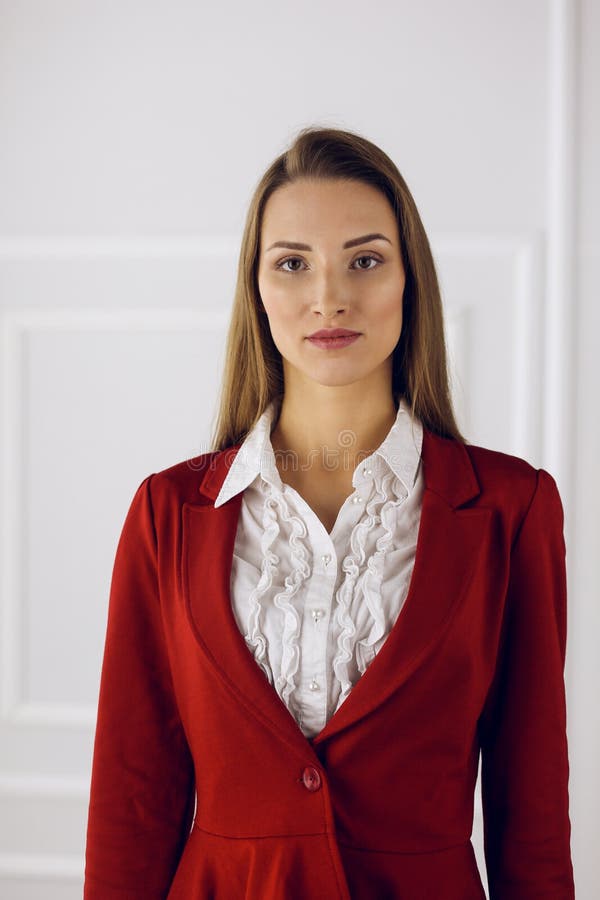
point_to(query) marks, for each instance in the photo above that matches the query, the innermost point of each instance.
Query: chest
(324, 493)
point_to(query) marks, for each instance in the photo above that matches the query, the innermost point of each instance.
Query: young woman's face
(324, 284)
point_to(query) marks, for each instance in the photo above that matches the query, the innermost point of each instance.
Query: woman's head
(317, 282)
(328, 182)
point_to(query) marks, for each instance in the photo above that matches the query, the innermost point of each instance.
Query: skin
(338, 404)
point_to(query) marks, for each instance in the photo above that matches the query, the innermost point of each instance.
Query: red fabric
(474, 662)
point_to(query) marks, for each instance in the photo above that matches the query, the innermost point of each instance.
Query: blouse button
(356, 499)
(317, 614)
(326, 557)
(311, 779)
(314, 685)
(367, 471)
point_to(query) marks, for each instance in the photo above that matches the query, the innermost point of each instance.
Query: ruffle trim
(360, 588)
(276, 509)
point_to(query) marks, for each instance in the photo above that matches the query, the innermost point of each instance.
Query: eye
(288, 259)
(293, 259)
(367, 256)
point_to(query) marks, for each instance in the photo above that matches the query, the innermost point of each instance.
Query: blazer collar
(449, 544)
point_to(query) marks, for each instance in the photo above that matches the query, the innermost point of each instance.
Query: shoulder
(184, 478)
(495, 469)
(464, 471)
(511, 483)
(169, 488)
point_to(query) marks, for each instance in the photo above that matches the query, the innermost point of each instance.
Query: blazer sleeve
(142, 785)
(524, 758)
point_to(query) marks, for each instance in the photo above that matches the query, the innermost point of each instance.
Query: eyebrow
(354, 242)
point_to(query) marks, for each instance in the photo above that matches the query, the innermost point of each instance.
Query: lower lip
(334, 343)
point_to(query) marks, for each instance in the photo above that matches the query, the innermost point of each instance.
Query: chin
(334, 372)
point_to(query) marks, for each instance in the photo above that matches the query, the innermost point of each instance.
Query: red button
(311, 778)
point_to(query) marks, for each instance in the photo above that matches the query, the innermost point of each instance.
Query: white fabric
(315, 608)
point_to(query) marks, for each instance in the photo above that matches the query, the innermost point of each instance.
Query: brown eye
(288, 259)
(368, 257)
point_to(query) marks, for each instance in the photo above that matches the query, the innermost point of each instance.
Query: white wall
(131, 137)
(584, 656)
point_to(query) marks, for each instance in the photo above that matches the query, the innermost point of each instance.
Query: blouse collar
(400, 451)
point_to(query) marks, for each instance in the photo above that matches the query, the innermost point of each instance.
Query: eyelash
(281, 263)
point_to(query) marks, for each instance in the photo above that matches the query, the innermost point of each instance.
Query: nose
(327, 299)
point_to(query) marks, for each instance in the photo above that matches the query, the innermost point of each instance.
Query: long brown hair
(253, 370)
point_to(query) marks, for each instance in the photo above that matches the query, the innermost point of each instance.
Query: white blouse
(315, 607)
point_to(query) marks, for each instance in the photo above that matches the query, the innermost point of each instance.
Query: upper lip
(332, 333)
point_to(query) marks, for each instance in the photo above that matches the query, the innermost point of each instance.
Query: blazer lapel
(208, 542)
(449, 542)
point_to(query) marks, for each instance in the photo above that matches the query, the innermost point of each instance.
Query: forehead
(319, 206)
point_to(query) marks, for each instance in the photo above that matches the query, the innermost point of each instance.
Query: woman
(317, 627)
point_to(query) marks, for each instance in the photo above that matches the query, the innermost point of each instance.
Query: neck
(332, 428)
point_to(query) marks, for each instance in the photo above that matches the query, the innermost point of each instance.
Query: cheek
(281, 308)
(282, 322)
(389, 308)
(278, 311)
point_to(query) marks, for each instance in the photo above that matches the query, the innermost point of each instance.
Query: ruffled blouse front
(316, 607)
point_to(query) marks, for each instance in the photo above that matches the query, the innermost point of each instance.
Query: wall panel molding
(16, 324)
(46, 866)
(70, 247)
(560, 309)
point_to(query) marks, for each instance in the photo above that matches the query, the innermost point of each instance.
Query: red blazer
(380, 804)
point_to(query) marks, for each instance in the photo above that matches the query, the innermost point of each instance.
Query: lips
(330, 333)
(334, 343)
